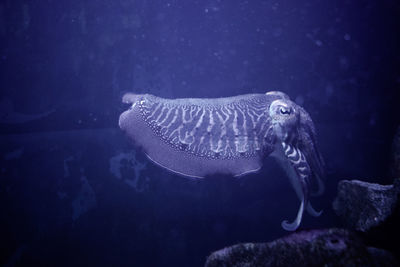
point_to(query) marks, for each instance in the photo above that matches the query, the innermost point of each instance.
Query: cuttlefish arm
(295, 150)
(295, 164)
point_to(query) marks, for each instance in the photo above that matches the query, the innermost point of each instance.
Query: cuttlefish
(197, 137)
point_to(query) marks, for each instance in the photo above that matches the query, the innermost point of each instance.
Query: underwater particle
(209, 9)
(318, 42)
(347, 37)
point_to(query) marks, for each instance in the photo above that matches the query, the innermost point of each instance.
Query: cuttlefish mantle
(196, 137)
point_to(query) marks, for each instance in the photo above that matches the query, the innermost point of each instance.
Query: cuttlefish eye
(285, 110)
(280, 109)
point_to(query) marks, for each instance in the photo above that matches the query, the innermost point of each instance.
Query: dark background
(73, 191)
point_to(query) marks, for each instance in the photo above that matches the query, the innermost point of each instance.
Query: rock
(363, 205)
(330, 247)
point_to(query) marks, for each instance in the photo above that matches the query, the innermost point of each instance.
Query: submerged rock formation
(363, 205)
(370, 213)
(330, 247)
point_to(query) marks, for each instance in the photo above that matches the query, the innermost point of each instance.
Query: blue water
(75, 192)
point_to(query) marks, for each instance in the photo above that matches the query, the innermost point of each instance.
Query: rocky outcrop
(362, 205)
(331, 247)
(371, 213)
